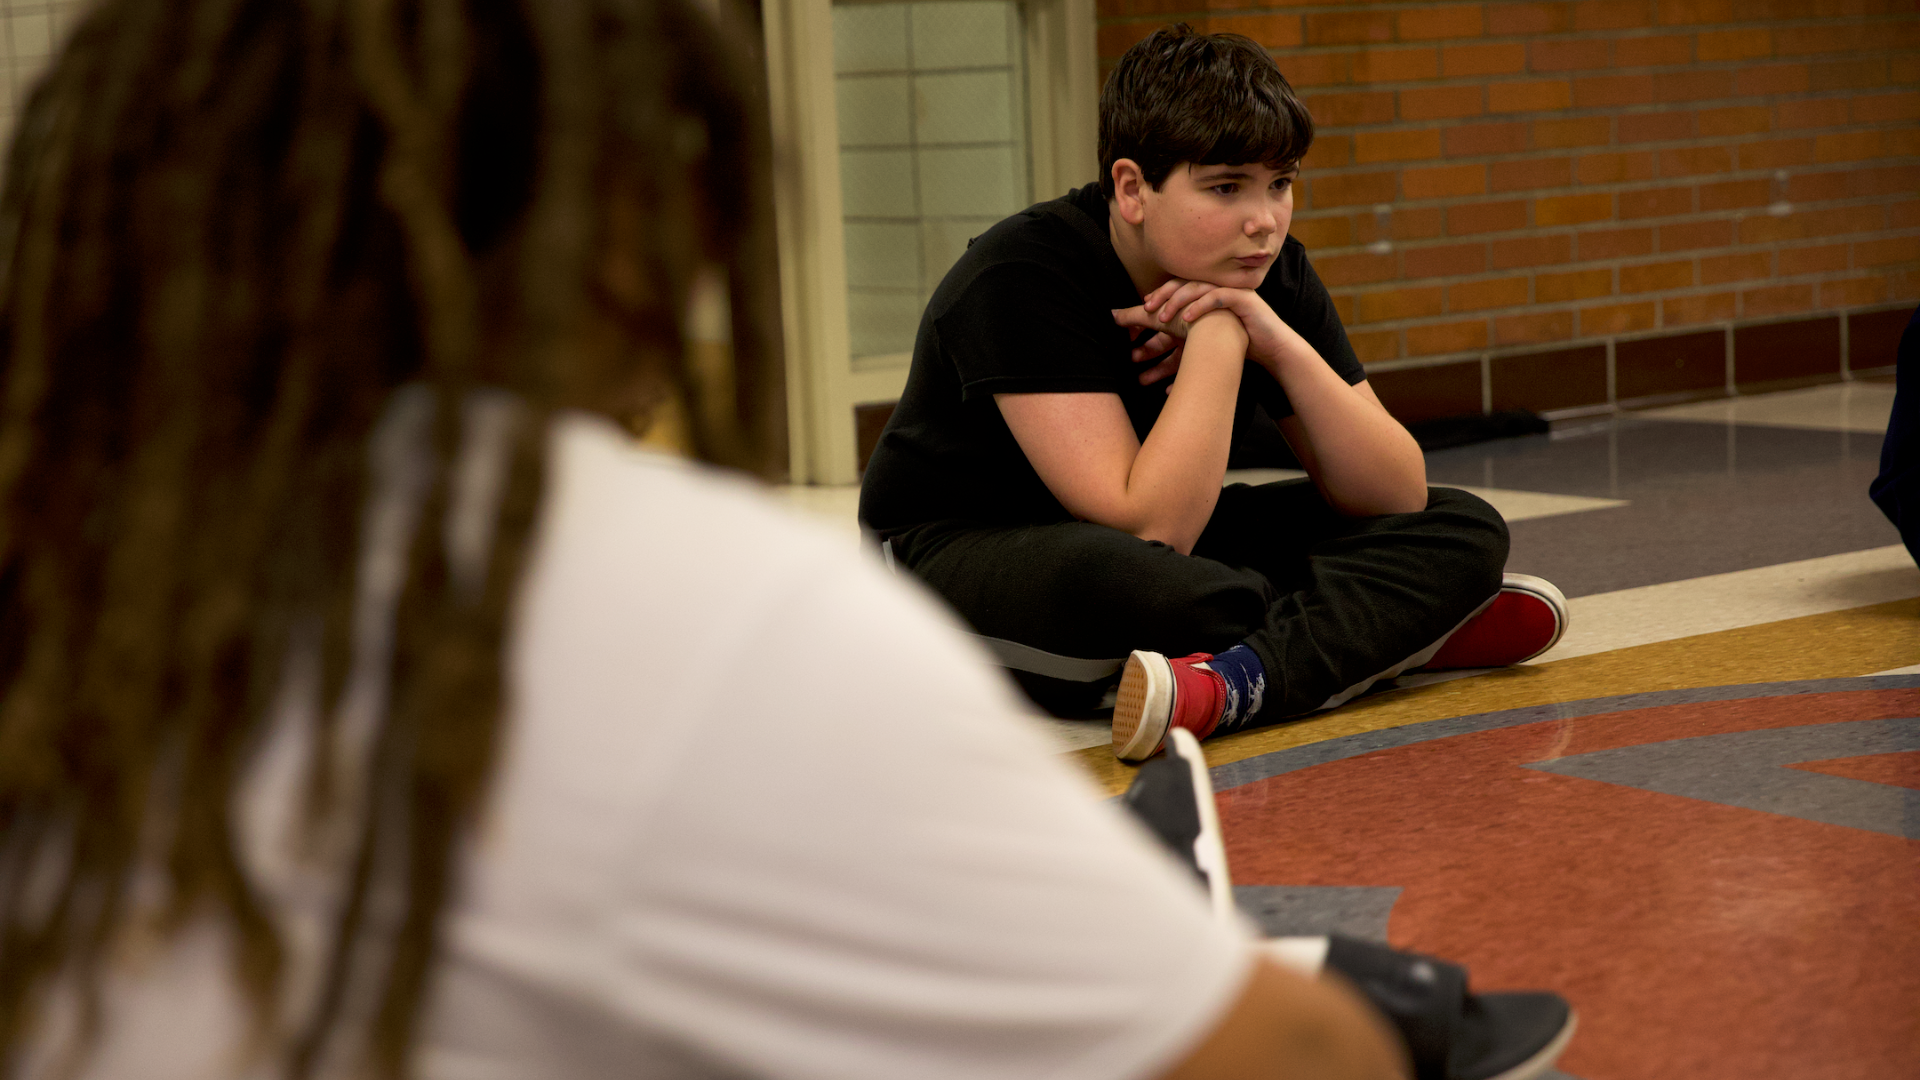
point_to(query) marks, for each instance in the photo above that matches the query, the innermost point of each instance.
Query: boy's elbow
(1177, 527)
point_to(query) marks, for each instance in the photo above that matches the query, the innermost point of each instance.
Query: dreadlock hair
(231, 229)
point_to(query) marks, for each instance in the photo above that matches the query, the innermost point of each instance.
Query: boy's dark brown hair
(231, 230)
(1179, 97)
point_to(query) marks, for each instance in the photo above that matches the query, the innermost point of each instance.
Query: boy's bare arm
(1361, 459)
(1084, 449)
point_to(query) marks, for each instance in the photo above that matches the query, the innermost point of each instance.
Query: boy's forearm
(1174, 482)
(1363, 461)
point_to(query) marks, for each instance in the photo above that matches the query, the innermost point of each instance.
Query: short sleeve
(1297, 295)
(1022, 327)
(1319, 323)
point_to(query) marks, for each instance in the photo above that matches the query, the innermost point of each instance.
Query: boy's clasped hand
(1175, 307)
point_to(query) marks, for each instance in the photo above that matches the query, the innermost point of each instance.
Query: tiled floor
(1699, 815)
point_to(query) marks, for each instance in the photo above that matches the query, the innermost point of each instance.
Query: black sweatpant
(1328, 603)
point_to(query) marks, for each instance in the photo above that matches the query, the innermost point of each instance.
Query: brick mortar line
(1614, 187)
(1400, 6)
(1564, 37)
(1281, 53)
(1707, 143)
(1445, 123)
(1556, 307)
(1813, 277)
(1690, 217)
(1697, 142)
(1535, 232)
(1592, 112)
(1806, 276)
(1403, 6)
(1791, 244)
(1551, 74)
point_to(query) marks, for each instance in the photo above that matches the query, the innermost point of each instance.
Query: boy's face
(1219, 223)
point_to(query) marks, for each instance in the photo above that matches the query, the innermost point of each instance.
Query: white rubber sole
(1143, 707)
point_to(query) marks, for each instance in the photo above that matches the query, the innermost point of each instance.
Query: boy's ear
(1129, 191)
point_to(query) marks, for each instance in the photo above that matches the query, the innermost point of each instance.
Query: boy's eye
(1283, 183)
(1224, 189)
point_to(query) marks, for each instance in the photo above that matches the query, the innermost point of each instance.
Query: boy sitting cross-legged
(1054, 466)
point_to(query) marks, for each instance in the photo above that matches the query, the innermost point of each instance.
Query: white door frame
(823, 388)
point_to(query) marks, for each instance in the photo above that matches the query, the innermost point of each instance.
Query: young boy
(1047, 473)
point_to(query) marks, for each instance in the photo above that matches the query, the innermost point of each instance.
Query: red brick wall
(1566, 204)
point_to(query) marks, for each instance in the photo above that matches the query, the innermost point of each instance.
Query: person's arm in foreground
(1361, 459)
(1285, 1026)
(1084, 449)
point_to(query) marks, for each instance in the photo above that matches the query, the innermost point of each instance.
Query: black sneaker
(1452, 1034)
(1173, 797)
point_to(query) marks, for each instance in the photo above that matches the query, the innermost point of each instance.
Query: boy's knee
(1467, 511)
(1152, 583)
(1477, 529)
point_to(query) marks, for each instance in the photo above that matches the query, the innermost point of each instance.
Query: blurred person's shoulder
(604, 481)
(649, 566)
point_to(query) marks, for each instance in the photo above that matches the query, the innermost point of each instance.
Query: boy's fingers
(1162, 291)
(1138, 317)
(1233, 300)
(1154, 346)
(1184, 296)
(1213, 301)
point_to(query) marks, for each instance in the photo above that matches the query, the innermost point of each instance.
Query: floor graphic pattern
(1725, 882)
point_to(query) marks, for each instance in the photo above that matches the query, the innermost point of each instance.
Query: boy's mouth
(1251, 261)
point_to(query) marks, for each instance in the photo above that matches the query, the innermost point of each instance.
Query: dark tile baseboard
(1652, 369)
(1689, 363)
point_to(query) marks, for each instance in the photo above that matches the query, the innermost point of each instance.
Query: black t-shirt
(1029, 309)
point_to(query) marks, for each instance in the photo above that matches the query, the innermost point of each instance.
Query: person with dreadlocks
(371, 704)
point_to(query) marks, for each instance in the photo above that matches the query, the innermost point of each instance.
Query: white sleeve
(819, 837)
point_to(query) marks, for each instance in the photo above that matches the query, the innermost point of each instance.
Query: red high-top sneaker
(1157, 694)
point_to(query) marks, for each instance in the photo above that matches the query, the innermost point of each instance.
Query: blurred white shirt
(761, 810)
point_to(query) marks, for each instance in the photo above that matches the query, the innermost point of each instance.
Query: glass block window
(931, 98)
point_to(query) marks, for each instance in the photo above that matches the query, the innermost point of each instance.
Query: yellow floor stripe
(1834, 644)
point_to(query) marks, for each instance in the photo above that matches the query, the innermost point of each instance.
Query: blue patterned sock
(1246, 681)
